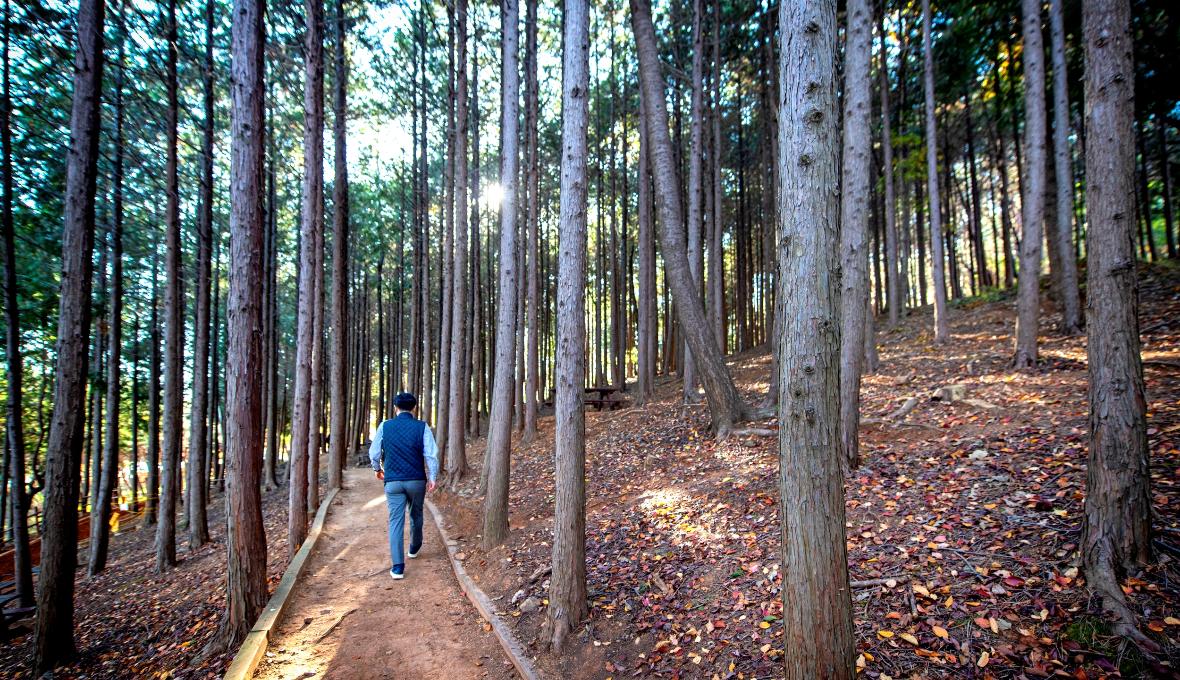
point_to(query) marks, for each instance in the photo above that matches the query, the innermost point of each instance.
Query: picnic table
(605, 399)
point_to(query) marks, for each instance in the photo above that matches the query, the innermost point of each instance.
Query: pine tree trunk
(695, 181)
(854, 218)
(337, 440)
(938, 263)
(151, 493)
(817, 611)
(456, 414)
(1062, 229)
(53, 641)
(567, 590)
(173, 323)
(724, 401)
(245, 539)
(495, 510)
(893, 298)
(18, 492)
(648, 319)
(1116, 536)
(198, 525)
(532, 221)
(1028, 311)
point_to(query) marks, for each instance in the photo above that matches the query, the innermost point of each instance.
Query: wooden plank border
(512, 647)
(253, 648)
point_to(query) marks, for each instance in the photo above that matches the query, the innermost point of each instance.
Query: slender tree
(817, 608)
(532, 222)
(1028, 311)
(695, 182)
(456, 413)
(337, 440)
(53, 641)
(1061, 231)
(1116, 535)
(567, 587)
(173, 321)
(495, 509)
(938, 263)
(893, 297)
(725, 404)
(854, 218)
(304, 410)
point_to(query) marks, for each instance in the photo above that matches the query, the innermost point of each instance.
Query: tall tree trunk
(457, 412)
(270, 308)
(893, 295)
(1116, 536)
(198, 525)
(938, 264)
(151, 506)
(315, 426)
(1165, 164)
(245, 537)
(18, 492)
(53, 641)
(695, 180)
(532, 221)
(648, 320)
(716, 296)
(173, 322)
(725, 403)
(100, 512)
(312, 221)
(854, 218)
(1062, 229)
(495, 510)
(817, 608)
(567, 589)
(1028, 311)
(337, 440)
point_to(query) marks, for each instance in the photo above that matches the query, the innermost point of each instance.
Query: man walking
(405, 456)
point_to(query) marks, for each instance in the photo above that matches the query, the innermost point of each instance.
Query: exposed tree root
(1100, 575)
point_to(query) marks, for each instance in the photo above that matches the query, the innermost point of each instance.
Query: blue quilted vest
(401, 449)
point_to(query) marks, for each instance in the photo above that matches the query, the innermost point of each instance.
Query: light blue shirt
(429, 451)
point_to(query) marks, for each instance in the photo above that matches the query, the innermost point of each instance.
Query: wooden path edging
(254, 646)
(512, 647)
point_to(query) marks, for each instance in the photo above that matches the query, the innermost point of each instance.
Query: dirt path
(348, 619)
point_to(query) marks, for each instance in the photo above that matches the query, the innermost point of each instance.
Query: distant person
(405, 456)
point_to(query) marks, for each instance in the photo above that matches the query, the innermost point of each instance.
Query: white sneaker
(412, 555)
(396, 575)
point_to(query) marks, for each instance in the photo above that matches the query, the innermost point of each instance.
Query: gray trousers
(397, 496)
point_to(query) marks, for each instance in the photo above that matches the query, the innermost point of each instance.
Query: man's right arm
(375, 450)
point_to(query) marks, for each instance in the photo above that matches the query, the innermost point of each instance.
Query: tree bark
(1071, 315)
(647, 312)
(456, 414)
(854, 217)
(1032, 203)
(495, 509)
(151, 493)
(337, 448)
(695, 181)
(245, 537)
(532, 219)
(53, 641)
(725, 403)
(817, 611)
(1116, 536)
(18, 492)
(173, 322)
(938, 265)
(893, 297)
(198, 525)
(304, 409)
(567, 589)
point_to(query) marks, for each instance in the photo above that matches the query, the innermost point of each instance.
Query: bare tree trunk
(339, 410)
(1028, 311)
(1062, 229)
(532, 219)
(567, 589)
(495, 509)
(457, 415)
(893, 299)
(724, 401)
(245, 538)
(270, 311)
(152, 499)
(100, 512)
(53, 641)
(1116, 537)
(716, 294)
(315, 426)
(198, 525)
(304, 411)
(695, 181)
(817, 611)
(938, 264)
(173, 323)
(854, 218)
(22, 559)
(647, 268)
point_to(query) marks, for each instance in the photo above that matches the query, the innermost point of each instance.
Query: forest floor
(970, 511)
(130, 621)
(347, 619)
